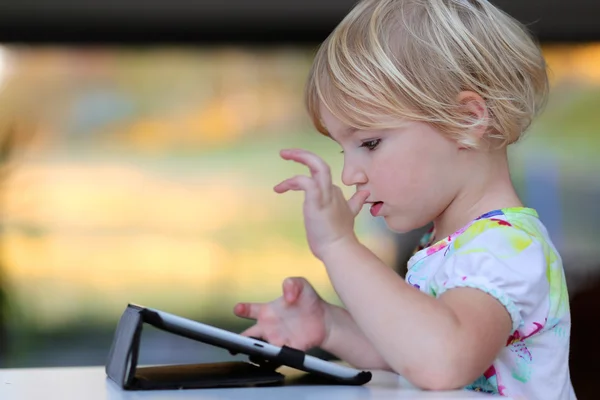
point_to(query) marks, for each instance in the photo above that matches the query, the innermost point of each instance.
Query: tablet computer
(258, 351)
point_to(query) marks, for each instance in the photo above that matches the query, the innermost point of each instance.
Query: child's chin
(398, 225)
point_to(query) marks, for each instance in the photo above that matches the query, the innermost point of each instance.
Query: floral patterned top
(508, 254)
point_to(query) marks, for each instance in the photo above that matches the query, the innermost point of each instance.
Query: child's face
(414, 170)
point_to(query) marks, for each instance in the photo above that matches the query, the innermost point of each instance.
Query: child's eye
(371, 144)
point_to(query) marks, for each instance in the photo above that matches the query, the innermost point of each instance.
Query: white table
(90, 383)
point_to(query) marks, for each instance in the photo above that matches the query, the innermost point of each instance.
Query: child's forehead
(339, 129)
(334, 126)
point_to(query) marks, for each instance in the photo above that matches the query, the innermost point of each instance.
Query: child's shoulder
(515, 229)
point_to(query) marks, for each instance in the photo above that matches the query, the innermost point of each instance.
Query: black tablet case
(122, 368)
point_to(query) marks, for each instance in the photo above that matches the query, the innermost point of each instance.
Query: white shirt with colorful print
(507, 253)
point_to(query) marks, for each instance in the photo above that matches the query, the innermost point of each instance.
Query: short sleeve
(504, 262)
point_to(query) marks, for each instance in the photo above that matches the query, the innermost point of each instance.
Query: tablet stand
(122, 368)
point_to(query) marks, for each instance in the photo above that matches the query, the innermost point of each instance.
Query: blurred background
(139, 147)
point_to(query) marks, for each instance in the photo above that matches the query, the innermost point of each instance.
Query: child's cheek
(397, 183)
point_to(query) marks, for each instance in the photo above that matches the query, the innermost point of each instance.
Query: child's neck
(487, 187)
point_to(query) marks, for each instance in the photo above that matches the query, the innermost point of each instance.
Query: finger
(247, 310)
(253, 331)
(292, 287)
(300, 182)
(357, 201)
(319, 169)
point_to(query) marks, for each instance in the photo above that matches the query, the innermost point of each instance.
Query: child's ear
(476, 114)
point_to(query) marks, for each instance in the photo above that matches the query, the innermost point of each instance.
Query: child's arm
(435, 343)
(348, 342)
(440, 343)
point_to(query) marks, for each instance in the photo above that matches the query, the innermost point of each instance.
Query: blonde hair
(409, 59)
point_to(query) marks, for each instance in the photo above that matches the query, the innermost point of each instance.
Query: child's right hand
(298, 319)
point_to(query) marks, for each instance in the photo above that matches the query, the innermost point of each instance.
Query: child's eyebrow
(344, 132)
(350, 130)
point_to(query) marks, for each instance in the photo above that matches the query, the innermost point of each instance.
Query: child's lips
(376, 207)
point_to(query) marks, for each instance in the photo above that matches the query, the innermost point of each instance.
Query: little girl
(424, 96)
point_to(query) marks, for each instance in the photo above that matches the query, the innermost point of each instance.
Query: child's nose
(351, 175)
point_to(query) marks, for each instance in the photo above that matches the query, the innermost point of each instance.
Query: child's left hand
(328, 216)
